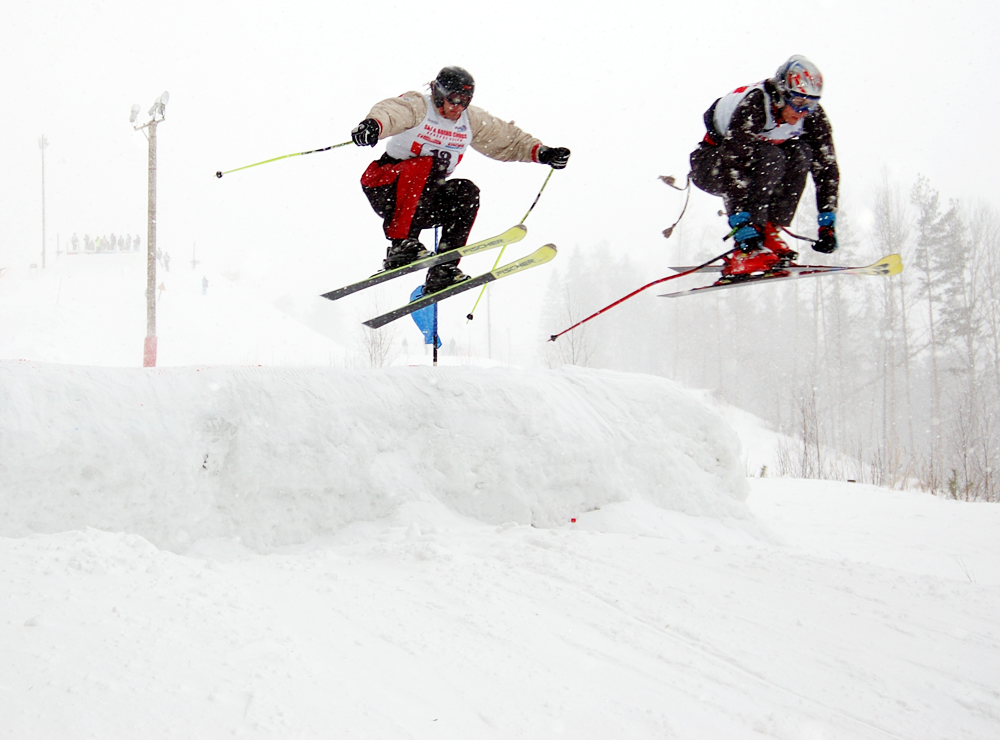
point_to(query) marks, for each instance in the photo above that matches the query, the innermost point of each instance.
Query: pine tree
(930, 235)
(891, 233)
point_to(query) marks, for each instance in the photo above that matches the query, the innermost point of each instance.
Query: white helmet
(800, 83)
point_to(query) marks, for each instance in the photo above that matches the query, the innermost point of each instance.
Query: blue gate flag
(425, 318)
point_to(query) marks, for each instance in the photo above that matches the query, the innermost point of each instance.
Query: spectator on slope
(428, 136)
(762, 141)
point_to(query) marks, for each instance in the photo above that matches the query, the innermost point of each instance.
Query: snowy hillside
(90, 309)
(211, 549)
(274, 456)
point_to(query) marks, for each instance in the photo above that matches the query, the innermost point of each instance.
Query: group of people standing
(761, 143)
(109, 243)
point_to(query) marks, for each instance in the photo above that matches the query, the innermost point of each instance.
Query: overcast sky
(909, 87)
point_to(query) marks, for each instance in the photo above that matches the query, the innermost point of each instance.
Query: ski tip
(546, 252)
(891, 264)
(516, 233)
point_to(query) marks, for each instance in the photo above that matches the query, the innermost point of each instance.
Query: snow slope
(90, 309)
(273, 456)
(210, 550)
(632, 622)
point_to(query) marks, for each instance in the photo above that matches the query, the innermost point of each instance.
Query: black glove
(366, 133)
(827, 241)
(556, 157)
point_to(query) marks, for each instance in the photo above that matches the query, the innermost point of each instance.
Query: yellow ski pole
(286, 156)
(483, 290)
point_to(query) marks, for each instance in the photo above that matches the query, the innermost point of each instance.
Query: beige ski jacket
(497, 139)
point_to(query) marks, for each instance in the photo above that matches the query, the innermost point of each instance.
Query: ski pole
(534, 203)
(797, 236)
(286, 156)
(670, 180)
(554, 337)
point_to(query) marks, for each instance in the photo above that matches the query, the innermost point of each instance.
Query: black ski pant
(766, 180)
(412, 194)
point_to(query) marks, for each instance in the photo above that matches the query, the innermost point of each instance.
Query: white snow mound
(275, 456)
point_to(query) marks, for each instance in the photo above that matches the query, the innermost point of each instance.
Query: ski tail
(539, 257)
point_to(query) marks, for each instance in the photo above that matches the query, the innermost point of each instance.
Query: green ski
(539, 257)
(511, 235)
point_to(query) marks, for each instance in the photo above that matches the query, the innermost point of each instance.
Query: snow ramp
(276, 456)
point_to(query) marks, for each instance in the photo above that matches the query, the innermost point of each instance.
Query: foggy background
(907, 90)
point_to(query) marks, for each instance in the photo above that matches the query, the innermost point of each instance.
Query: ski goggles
(459, 100)
(802, 103)
(456, 98)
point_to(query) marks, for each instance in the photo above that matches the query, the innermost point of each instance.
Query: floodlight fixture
(135, 113)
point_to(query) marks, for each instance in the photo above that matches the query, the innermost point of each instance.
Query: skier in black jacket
(762, 142)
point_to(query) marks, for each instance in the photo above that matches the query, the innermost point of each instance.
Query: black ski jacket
(749, 119)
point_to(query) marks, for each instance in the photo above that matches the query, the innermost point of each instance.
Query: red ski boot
(740, 264)
(774, 242)
(752, 256)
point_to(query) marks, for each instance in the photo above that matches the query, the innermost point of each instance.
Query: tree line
(892, 381)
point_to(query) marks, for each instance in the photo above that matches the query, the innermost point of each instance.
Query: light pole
(156, 114)
(42, 143)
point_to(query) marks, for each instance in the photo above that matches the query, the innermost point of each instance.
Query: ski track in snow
(430, 623)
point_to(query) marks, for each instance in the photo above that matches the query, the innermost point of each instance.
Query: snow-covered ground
(90, 309)
(211, 549)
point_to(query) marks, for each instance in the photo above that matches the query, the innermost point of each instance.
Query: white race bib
(773, 131)
(436, 137)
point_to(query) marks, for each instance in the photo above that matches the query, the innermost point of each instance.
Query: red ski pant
(412, 194)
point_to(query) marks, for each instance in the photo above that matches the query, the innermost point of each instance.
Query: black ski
(511, 235)
(538, 257)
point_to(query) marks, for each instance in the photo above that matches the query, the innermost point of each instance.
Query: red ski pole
(554, 337)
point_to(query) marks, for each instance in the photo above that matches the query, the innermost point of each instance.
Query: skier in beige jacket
(428, 135)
